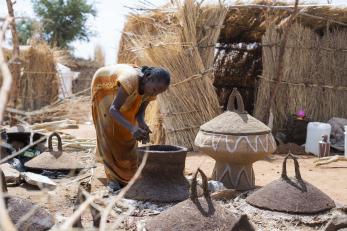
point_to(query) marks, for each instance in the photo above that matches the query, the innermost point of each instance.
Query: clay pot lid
(291, 195)
(17, 207)
(55, 160)
(40, 219)
(235, 121)
(194, 214)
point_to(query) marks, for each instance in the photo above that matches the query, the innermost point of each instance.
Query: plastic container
(315, 132)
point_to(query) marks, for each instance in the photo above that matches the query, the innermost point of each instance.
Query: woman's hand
(142, 124)
(139, 133)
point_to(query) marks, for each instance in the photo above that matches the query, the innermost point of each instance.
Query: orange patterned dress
(116, 147)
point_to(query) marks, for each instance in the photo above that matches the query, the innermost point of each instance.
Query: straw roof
(248, 23)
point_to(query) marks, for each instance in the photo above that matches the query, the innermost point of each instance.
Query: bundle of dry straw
(314, 75)
(38, 83)
(76, 108)
(184, 48)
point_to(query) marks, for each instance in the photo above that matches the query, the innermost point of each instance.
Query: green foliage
(25, 30)
(64, 21)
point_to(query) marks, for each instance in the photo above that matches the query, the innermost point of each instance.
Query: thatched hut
(314, 75)
(38, 84)
(87, 69)
(245, 58)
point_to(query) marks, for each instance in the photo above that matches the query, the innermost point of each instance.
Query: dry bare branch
(5, 221)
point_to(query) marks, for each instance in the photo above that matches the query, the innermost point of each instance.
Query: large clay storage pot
(162, 178)
(235, 140)
(291, 195)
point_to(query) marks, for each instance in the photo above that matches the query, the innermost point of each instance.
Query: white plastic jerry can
(315, 132)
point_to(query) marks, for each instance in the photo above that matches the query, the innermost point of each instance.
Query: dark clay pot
(162, 178)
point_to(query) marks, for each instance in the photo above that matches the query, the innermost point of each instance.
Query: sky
(107, 25)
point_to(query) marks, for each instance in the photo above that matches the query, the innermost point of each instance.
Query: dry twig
(5, 221)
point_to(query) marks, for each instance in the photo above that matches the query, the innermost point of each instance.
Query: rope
(194, 77)
(167, 131)
(302, 47)
(40, 72)
(339, 88)
(178, 113)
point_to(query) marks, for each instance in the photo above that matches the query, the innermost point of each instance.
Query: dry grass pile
(38, 83)
(183, 48)
(139, 24)
(314, 78)
(75, 108)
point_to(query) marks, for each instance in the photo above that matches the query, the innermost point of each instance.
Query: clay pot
(162, 178)
(195, 214)
(235, 140)
(55, 160)
(291, 195)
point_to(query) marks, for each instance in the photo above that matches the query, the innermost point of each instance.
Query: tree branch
(5, 221)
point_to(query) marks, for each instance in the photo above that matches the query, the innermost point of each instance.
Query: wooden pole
(279, 72)
(15, 61)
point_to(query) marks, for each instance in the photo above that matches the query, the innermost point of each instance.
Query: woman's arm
(122, 95)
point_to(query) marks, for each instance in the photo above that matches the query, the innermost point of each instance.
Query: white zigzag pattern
(216, 139)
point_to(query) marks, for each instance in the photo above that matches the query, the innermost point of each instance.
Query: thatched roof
(247, 23)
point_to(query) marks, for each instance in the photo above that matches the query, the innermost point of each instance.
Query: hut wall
(84, 80)
(314, 79)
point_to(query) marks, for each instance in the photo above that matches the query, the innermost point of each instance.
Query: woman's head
(155, 80)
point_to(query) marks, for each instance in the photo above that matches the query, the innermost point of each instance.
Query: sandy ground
(331, 179)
